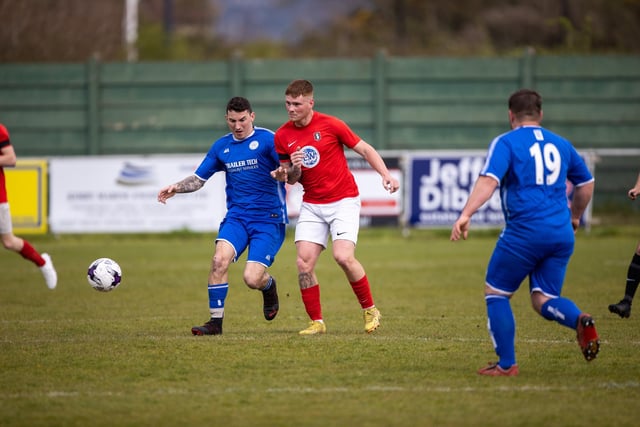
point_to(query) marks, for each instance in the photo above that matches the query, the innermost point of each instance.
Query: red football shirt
(4, 142)
(326, 177)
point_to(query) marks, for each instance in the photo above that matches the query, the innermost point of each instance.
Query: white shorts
(341, 219)
(5, 219)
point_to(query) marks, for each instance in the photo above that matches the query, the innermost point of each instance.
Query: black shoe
(212, 327)
(622, 309)
(271, 304)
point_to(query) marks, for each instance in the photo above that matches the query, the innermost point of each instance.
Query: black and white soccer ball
(104, 274)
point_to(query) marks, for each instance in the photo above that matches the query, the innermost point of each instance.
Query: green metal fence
(393, 103)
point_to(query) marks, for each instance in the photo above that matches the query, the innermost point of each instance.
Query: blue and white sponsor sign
(439, 186)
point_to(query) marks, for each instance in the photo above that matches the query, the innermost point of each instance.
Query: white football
(104, 274)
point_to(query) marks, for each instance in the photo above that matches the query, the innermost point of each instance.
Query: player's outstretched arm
(460, 228)
(279, 174)
(376, 161)
(187, 185)
(482, 191)
(286, 173)
(166, 193)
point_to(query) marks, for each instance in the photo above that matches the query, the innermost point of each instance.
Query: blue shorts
(544, 259)
(263, 239)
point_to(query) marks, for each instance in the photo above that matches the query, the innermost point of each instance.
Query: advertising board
(439, 185)
(27, 192)
(100, 194)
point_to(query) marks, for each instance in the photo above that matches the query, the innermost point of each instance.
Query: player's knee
(252, 280)
(11, 242)
(253, 284)
(344, 260)
(219, 264)
(255, 275)
(303, 265)
(538, 299)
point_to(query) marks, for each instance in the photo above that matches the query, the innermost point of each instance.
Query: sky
(243, 20)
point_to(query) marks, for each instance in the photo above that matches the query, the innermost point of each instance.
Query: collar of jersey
(243, 140)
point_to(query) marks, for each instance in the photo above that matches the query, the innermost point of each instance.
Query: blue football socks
(268, 285)
(217, 295)
(502, 328)
(562, 310)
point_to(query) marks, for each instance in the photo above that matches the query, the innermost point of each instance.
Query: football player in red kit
(311, 150)
(9, 240)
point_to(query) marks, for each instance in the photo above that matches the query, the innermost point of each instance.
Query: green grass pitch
(77, 357)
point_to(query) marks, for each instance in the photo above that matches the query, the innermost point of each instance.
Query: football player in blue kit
(256, 215)
(531, 165)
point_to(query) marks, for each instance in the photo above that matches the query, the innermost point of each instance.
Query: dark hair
(299, 88)
(525, 103)
(239, 104)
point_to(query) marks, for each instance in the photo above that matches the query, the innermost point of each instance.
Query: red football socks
(28, 252)
(363, 291)
(311, 300)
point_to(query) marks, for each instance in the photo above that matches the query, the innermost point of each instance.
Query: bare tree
(60, 30)
(74, 30)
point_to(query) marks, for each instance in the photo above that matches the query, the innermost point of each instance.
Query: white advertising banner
(119, 194)
(374, 199)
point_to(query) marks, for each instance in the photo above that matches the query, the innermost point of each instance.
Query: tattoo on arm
(189, 184)
(294, 174)
(305, 280)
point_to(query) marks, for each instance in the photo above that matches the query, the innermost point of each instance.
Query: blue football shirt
(252, 194)
(533, 165)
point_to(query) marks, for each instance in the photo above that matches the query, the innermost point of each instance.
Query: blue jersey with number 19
(532, 165)
(252, 194)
